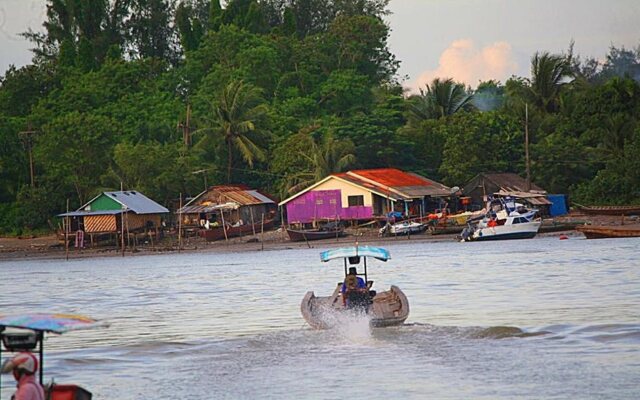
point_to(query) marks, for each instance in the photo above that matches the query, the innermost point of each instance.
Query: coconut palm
(549, 73)
(235, 118)
(441, 98)
(323, 157)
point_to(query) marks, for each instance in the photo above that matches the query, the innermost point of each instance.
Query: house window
(319, 202)
(355, 201)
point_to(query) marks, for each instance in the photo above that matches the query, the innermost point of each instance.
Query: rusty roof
(242, 195)
(406, 184)
(511, 182)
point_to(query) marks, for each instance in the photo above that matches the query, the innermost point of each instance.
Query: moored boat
(610, 210)
(604, 232)
(218, 233)
(303, 235)
(386, 308)
(403, 228)
(505, 220)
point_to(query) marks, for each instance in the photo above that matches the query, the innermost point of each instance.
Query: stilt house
(364, 195)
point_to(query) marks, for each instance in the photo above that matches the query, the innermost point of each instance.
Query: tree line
(166, 96)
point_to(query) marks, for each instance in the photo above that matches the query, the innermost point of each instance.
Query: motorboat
(26, 332)
(505, 219)
(386, 308)
(403, 228)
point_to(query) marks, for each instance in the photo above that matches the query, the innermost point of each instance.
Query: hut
(234, 205)
(364, 195)
(505, 184)
(107, 212)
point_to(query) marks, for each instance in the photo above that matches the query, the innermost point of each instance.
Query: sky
(467, 40)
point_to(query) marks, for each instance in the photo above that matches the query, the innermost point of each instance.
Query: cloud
(466, 63)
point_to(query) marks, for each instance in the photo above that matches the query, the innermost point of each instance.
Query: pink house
(364, 194)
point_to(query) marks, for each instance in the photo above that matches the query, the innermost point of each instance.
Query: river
(524, 319)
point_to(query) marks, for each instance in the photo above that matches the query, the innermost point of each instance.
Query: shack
(505, 185)
(365, 195)
(234, 205)
(120, 212)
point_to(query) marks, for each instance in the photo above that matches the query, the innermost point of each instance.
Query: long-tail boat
(603, 232)
(610, 210)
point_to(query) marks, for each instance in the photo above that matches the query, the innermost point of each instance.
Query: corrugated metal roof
(241, 195)
(199, 208)
(407, 185)
(391, 177)
(511, 182)
(82, 213)
(132, 201)
(137, 202)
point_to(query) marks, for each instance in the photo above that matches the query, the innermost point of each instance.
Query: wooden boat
(213, 234)
(304, 235)
(387, 308)
(603, 232)
(610, 210)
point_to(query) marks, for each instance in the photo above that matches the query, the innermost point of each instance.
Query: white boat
(403, 228)
(506, 219)
(386, 308)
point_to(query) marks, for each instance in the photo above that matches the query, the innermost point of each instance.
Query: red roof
(391, 177)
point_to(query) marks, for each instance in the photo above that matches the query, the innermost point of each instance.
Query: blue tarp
(558, 204)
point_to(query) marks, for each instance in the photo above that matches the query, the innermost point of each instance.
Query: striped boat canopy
(364, 251)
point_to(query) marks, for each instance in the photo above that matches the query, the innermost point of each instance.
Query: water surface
(524, 319)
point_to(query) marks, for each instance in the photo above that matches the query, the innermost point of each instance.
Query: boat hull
(389, 308)
(303, 236)
(211, 235)
(605, 232)
(610, 210)
(526, 230)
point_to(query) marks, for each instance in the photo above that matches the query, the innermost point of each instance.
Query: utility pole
(186, 128)
(526, 146)
(27, 141)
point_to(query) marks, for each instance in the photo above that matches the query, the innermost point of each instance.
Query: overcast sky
(468, 40)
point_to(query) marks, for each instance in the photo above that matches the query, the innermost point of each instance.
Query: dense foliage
(164, 95)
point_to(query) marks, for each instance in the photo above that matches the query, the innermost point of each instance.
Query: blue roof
(137, 202)
(364, 251)
(130, 200)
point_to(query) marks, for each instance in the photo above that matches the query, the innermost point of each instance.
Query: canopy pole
(41, 339)
(365, 271)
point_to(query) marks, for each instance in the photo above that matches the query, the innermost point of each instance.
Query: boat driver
(354, 290)
(24, 367)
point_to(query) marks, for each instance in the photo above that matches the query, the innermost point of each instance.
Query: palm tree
(324, 157)
(443, 97)
(235, 118)
(549, 73)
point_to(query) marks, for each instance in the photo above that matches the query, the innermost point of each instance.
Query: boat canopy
(56, 323)
(364, 251)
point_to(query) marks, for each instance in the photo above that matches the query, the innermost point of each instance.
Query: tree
(440, 99)
(236, 117)
(152, 34)
(549, 73)
(323, 156)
